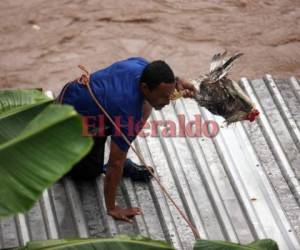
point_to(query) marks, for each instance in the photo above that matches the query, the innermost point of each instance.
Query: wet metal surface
(239, 186)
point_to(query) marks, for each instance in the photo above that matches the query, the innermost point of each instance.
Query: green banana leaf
(39, 143)
(119, 242)
(124, 242)
(26, 103)
(13, 101)
(266, 244)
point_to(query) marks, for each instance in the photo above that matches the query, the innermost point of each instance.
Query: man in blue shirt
(127, 90)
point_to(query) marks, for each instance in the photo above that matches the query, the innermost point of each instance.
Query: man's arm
(111, 182)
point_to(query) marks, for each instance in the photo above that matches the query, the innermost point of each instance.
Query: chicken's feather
(220, 67)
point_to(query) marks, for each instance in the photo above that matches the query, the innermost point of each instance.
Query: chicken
(223, 96)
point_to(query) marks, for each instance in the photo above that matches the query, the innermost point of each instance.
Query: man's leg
(90, 166)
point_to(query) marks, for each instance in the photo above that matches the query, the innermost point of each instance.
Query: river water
(42, 41)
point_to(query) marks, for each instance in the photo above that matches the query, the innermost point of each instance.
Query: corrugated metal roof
(239, 186)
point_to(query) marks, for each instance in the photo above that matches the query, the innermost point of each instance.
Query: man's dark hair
(157, 72)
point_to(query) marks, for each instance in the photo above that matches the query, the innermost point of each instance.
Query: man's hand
(187, 89)
(124, 213)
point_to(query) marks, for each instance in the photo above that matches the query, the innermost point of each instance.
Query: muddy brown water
(42, 41)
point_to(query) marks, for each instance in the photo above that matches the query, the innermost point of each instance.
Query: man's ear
(144, 87)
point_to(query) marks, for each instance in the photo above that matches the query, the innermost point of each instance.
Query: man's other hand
(124, 214)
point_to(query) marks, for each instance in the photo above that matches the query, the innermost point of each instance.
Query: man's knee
(85, 172)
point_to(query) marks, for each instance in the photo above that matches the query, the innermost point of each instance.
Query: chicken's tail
(220, 66)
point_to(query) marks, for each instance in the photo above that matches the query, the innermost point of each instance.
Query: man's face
(160, 96)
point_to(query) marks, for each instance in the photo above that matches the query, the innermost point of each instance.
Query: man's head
(157, 84)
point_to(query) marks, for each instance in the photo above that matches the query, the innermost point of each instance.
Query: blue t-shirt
(117, 89)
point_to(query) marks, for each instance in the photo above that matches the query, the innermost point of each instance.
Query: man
(127, 89)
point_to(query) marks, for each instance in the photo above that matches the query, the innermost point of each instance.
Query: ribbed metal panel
(239, 186)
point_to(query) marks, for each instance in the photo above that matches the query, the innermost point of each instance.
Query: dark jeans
(90, 166)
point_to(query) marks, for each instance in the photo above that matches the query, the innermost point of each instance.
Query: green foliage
(14, 101)
(119, 242)
(265, 244)
(124, 242)
(39, 143)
